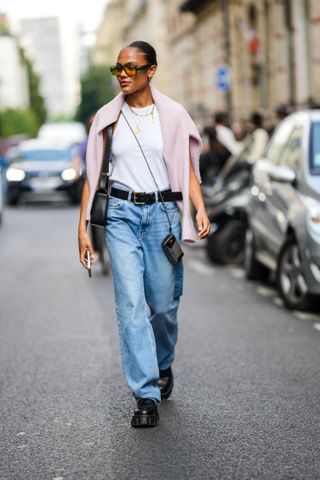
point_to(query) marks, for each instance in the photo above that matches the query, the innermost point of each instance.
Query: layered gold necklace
(149, 114)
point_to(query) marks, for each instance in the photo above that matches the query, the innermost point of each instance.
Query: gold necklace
(138, 129)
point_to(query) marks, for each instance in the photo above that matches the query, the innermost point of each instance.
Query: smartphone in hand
(88, 263)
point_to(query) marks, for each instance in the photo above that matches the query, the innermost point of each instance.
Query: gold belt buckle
(135, 201)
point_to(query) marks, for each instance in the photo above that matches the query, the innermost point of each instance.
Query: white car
(68, 132)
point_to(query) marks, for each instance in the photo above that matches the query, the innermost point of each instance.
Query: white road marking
(277, 301)
(306, 316)
(265, 291)
(199, 267)
(317, 326)
(237, 272)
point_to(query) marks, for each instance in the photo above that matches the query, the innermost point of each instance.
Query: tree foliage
(14, 121)
(37, 103)
(96, 90)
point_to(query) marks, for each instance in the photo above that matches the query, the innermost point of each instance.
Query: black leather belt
(142, 198)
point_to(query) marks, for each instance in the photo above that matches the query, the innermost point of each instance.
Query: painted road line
(200, 267)
(266, 292)
(277, 301)
(307, 316)
(237, 272)
(317, 326)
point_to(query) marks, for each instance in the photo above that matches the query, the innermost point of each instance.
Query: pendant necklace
(150, 113)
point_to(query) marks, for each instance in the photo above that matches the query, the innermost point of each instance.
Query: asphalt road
(247, 374)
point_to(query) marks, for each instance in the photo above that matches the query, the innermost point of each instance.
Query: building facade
(14, 92)
(269, 46)
(110, 34)
(125, 21)
(51, 45)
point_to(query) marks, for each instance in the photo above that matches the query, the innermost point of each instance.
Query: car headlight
(314, 224)
(15, 174)
(68, 174)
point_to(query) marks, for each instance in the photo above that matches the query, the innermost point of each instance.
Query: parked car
(226, 204)
(39, 169)
(69, 132)
(283, 233)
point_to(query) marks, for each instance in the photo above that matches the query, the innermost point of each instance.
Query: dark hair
(220, 117)
(211, 132)
(257, 119)
(147, 49)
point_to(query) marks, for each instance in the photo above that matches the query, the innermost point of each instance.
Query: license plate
(44, 184)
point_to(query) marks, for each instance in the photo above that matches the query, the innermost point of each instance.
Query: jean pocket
(115, 202)
(169, 207)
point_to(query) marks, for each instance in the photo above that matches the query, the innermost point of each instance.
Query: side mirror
(282, 174)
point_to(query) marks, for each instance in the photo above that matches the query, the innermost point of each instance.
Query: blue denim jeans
(147, 289)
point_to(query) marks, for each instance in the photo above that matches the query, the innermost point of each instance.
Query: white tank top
(127, 163)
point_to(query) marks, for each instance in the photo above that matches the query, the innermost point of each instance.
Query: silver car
(283, 233)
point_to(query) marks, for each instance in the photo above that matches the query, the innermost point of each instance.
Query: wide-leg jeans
(147, 289)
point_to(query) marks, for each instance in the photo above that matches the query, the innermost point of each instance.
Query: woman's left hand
(203, 224)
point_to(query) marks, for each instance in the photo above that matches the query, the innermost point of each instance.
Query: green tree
(14, 121)
(37, 103)
(96, 90)
(4, 29)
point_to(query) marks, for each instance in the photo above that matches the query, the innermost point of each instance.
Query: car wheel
(225, 246)
(291, 281)
(253, 268)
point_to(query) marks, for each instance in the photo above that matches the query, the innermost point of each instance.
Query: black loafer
(146, 414)
(166, 382)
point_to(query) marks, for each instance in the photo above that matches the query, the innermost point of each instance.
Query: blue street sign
(223, 78)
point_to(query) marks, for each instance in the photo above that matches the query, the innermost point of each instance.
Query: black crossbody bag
(170, 244)
(101, 197)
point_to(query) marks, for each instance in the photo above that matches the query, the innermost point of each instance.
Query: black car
(41, 169)
(283, 234)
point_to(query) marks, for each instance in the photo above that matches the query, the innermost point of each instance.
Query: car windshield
(46, 155)
(315, 149)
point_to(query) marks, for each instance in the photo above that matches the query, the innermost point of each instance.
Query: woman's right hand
(84, 244)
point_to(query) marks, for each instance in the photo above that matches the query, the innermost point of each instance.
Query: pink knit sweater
(181, 142)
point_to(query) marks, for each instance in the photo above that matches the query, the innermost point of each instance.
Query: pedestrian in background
(147, 286)
(214, 158)
(256, 141)
(281, 112)
(224, 133)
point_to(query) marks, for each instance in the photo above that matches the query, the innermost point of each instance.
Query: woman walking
(155, 172)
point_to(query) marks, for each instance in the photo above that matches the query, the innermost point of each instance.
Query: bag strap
(105, 172)
(145, 158)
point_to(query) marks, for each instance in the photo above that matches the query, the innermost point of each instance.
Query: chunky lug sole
(144, 421)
